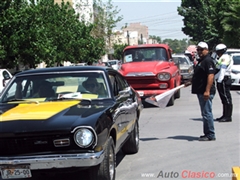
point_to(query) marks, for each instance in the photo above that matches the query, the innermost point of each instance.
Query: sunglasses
(200, 49)
(90, 85)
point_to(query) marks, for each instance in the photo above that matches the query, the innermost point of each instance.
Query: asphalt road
(169, 146)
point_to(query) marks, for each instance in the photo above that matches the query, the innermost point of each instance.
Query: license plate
(141, 93)
(12, 172)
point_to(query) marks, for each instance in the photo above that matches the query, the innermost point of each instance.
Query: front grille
(28, 145)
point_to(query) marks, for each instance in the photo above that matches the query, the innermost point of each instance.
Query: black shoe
(205, 138)
(202, 136)
(226, 119)
(218, 119)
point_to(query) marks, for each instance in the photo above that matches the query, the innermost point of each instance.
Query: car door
(128, 105)
(121, 109)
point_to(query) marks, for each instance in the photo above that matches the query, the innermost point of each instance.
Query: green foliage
(105, 19)
(156, 39)
(118, 50)
(212, 21)
(33, 31)
(231, 25)
(177, 46)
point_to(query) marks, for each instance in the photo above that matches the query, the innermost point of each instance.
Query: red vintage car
(150, 70)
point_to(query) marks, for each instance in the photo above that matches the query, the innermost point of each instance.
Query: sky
(160, 16)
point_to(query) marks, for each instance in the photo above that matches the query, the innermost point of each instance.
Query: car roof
(64, 69)
(147, 46)
(178, 55)
(236, 54)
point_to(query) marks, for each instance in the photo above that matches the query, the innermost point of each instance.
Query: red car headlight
(164, 76)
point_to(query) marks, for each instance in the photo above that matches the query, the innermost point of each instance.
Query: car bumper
(148, 93)
(55, 161)
(235, 80)
(186, 76)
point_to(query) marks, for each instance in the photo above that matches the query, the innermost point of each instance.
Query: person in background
(94, 87)
(100, 63)
(44, 90)
(224, 64)
(204, 87)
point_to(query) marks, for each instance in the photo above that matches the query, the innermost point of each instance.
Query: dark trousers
(224, 90)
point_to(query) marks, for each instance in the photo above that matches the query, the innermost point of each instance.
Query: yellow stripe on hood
(34, 111)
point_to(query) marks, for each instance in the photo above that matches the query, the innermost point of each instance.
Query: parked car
(232, 50)
(51, 120)
(185, 65)
(115, 64)
(150, 70)
(235, 74)
(5, 76)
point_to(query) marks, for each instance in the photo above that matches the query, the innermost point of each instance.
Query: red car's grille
(144, 83)
(29, 145)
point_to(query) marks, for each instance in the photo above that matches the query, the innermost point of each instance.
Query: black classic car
(67, 117)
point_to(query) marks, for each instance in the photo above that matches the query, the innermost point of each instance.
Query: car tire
(177, 94)
(107, 169)
(171, 101)
(131, 146)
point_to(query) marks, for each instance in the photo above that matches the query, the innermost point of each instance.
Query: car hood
(48, 116)
(184, 66)
(148, 66)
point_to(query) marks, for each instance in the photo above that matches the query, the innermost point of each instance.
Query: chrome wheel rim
(111, 163)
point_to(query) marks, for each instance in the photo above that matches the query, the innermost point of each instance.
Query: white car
(115, 64)
(5, 76)
(235, 74)
(232, 51)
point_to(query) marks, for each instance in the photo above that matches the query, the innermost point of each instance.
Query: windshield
(182, 60)
(236, 60)
(145, 54)
(47, 87)
(112, 62)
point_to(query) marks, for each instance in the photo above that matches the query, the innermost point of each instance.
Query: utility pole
(141, 39)
(128, 38)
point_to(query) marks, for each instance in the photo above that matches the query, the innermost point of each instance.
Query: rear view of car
(235, 74)
(115, 64)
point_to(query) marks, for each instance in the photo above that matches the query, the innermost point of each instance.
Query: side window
(114, 84)
(122, 83)
(6, 75)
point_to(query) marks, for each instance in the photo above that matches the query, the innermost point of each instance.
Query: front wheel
(171, 101)
(131, 146)
(107, 169)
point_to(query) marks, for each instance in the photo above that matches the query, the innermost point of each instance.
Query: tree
(33, 31)
(203, 19)
(157, 39)
(118, 50)
(231, 25)
(105, 19)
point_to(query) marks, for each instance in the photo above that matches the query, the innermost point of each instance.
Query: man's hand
(206, 95)
(152, 98)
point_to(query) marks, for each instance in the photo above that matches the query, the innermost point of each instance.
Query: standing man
(223, 78)
(203, 86)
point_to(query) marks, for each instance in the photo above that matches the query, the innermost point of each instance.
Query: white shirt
(224, 64)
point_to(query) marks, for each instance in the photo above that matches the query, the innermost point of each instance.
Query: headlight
(84, 137)
(164, 76)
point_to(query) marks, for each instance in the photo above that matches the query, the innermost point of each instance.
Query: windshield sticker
(128, 58)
